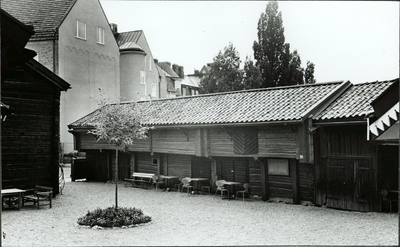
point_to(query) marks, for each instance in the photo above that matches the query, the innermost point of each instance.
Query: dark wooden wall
(30, 138)
(238, 152)
(345, 174)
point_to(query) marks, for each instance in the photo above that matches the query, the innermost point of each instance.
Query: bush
(114, 217)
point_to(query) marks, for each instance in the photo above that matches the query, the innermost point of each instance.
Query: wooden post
(295, 180)
(116, 177)
(264, 181)
(198, 143)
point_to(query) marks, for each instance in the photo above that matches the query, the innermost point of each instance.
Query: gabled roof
(44, 15)
(191, 80)
(283, 104)
(129, 40)
(355, 101)
(49, 75)
(166, 66)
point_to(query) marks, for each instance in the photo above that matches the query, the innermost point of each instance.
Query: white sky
(356, 41)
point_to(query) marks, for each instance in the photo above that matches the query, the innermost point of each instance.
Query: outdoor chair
(186, 184)
(38, 195)
(246, 187)
(157, 181)
(221, 188)
(206, 187)
(178, 185)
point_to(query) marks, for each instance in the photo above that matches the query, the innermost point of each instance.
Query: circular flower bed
(114, 217)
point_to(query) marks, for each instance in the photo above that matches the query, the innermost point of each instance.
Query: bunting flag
(385, 121)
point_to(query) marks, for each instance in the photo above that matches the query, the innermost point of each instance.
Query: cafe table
(198, 181)
(232, 187)
(168, 179)
(10, 193)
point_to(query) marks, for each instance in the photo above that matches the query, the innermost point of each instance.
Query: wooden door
(348, 184)
(201, 168)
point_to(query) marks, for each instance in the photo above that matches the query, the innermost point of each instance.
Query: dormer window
(100, 35)
(80, 30)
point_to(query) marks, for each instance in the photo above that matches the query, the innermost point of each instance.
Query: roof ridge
(233, 92)
(377, 81)
(140, 30)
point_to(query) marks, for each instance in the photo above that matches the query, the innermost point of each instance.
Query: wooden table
(10, 193)
(232, 185)
(197, 180)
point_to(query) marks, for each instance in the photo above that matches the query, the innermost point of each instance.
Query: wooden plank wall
(277, 141)
(144, 163)
(306, 182)
(30, 137)
(174, 141)
(179, 165)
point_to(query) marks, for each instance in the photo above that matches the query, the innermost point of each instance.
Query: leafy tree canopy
(225, 74)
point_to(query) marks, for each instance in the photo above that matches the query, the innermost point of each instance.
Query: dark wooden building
(352, 164)
(30, 136)
(262, 137)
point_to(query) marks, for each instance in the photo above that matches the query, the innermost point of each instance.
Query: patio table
(232, 187)
(10, 193)
(168, 179)
(198, 180)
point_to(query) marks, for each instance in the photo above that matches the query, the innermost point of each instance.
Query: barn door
(348, 184)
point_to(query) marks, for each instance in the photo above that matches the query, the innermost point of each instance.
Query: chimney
(114, 28)
(155, 60)
(196, 72)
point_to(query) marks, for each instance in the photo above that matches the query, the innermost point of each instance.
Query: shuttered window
(278, 167)
(245, 140)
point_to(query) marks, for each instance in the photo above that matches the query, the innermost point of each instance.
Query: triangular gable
(383, 123)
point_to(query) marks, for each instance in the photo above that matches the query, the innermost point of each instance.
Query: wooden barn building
(356, 148)
(271, 138)
(260, 137)
(30, 136)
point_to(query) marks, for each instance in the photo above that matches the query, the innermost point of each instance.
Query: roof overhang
(208, 125)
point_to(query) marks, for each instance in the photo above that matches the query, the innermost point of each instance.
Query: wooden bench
(38, 195)
(139, 179)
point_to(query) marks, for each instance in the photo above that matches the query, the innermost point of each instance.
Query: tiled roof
(44, 15)
(355, 101)
(166, 66)
(262, 105)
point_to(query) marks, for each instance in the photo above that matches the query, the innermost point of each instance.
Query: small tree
(119, 124)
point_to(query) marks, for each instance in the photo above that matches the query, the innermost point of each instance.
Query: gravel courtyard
(179, 219)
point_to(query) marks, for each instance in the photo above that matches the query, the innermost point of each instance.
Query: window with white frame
(142, 77)
(278, 167)
(100, 35)
(153, 90)
(81, 30)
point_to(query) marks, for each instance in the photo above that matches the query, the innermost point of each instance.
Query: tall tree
(251, 76)
(268, 51)
(119, 124)
(278, 66)
(225, 74)
(309, 73)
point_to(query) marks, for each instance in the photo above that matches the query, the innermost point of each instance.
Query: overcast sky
(356, 41)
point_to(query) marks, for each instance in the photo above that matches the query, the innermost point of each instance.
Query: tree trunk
(116, 177)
